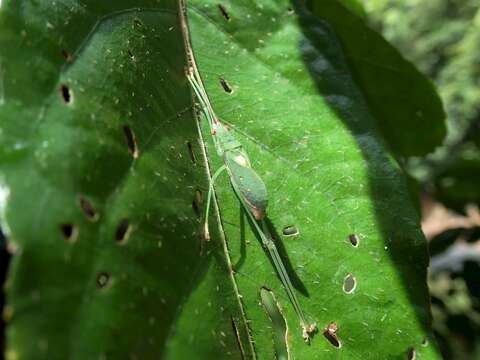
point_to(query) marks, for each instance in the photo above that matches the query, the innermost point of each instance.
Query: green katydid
(249, 188)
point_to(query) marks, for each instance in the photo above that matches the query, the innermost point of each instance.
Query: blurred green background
(442, 38)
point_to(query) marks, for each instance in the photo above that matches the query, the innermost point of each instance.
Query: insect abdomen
(248, 182)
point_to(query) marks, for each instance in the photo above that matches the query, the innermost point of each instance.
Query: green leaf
(292, 103)
(103, 180)
(405, 104)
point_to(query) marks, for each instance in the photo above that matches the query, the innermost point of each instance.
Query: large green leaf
(293, 104)
(97, 129)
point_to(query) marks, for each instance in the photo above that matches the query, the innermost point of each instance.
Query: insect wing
(225, 139)
(247, 182)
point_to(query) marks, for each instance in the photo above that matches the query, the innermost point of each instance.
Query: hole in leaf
(130, 54)
(224, 12)
(88, 209)
(290, 230)
(425, 342)
(123, 231)
(237, 337)
(197, 201)
(66, 94)
(411, 354)
(290, 11)
(225, 85)
(195, 207)
(354, 239)
(191, 153)
(69, 232)
(103, 280)
(130, 138)
(330, 334)
(66, 55)
(199, 196)
(349, 284)
(137, 23)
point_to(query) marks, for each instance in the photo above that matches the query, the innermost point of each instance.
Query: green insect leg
(206, 232)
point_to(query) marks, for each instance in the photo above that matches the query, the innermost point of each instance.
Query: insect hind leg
(206, 232)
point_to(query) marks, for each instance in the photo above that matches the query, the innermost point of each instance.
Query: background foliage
(442, 37)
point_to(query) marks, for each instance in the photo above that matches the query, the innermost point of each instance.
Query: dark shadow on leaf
(295, 279)
(243, 244)
(334, 79)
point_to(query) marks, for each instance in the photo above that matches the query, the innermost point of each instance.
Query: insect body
(245, 180)
(249, 188)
